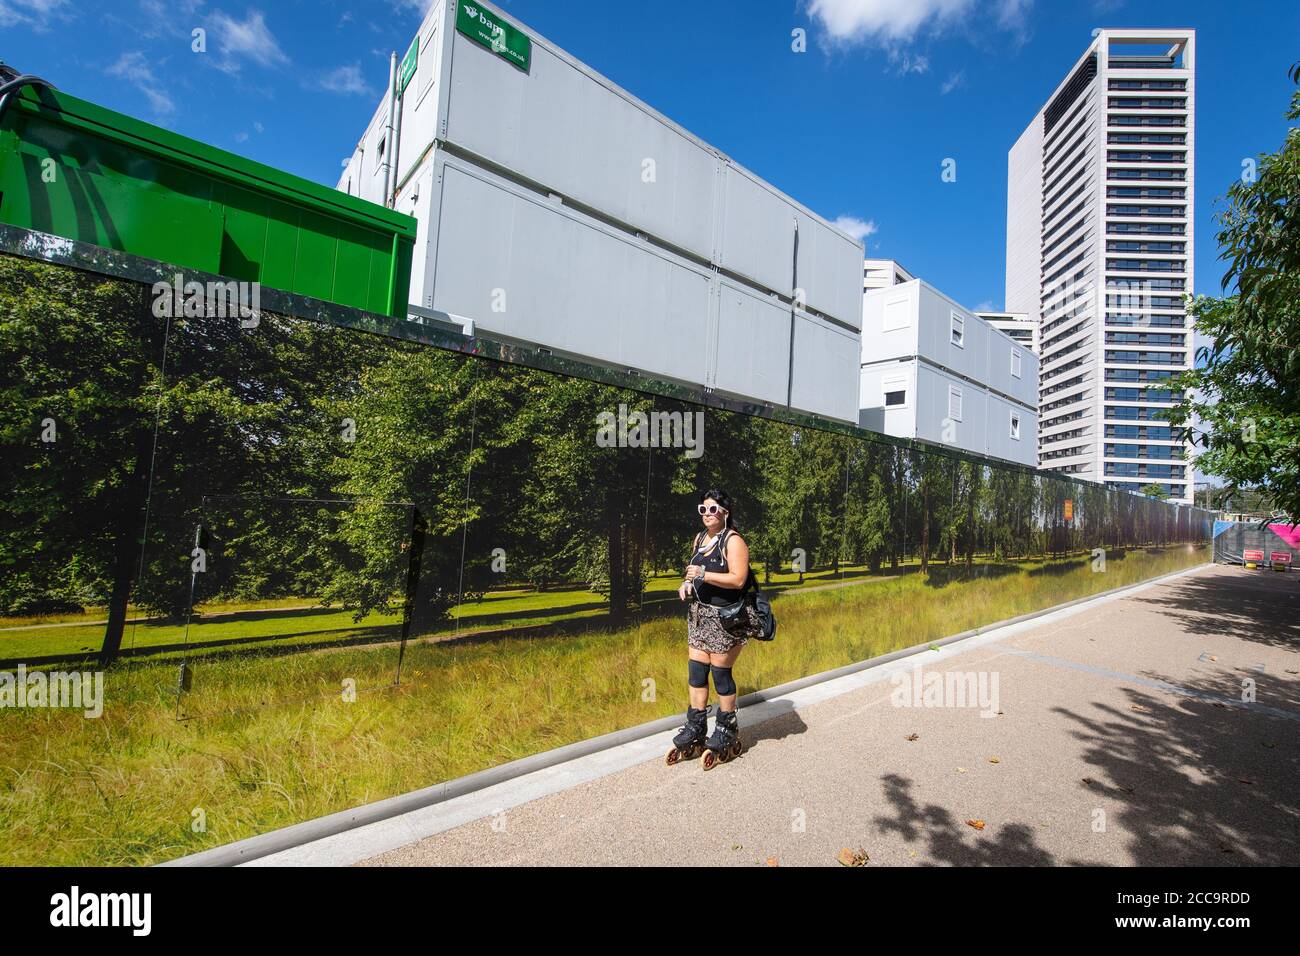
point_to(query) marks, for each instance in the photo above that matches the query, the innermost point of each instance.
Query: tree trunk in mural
(971, 488)
(925, 523)
(614, 541)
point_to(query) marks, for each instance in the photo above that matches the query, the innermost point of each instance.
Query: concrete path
(1115, 734)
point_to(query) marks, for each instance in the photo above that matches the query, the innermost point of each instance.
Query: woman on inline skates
(715, 578)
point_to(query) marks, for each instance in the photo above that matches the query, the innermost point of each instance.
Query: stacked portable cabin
(934, 371)
(557, 210)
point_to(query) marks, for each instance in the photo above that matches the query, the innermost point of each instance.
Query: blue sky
(858, 126)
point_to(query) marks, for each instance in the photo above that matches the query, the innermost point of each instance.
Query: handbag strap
(751, 582)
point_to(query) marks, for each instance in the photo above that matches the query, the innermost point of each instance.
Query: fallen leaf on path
(773, 861)
(977, 824)
(1139, 708)
(912, 737)
(856, 857)
(994, 760)
(961, 769)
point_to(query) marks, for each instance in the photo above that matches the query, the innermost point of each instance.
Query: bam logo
(496, 29)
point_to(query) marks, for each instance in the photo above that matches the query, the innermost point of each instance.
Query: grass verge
(277, 744)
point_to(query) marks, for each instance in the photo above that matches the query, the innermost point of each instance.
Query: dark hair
(724, 501)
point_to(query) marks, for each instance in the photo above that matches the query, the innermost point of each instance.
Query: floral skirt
(705, 632)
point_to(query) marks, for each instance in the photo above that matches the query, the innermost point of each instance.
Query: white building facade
(882, 273)
(1100, 254)
(559, 212)
(935, 372)
(1015, 324)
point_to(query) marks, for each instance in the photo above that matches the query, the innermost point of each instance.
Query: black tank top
(714, 558)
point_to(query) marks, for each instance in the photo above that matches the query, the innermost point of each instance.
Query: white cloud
(138, 71)
(169, 17)
(1011, 13)
(857, 228)
(954, 81)
(985, 306)
(243, 40)
(858, 20)
(907, 63)
(1013, 16)
(241, 137)
(37, 14)
(895, 24)
(345, 79)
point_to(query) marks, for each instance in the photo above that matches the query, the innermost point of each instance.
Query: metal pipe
(391, 199)
(388, 127)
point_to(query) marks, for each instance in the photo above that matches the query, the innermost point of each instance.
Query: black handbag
(763, 608)
(733, 619)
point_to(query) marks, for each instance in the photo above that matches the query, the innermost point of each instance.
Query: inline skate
(724, 743)
(689, 742)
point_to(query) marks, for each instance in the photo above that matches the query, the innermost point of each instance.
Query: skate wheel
(710, 760)
(674, 755)
(736, 748)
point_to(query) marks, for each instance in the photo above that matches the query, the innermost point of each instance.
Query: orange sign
(1069, 509)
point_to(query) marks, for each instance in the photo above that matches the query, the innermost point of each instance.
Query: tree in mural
(308, 453)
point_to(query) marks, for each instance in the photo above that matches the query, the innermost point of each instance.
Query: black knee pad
(698, 674)
(722, 681)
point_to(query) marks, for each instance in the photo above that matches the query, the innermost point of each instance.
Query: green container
(82, 172)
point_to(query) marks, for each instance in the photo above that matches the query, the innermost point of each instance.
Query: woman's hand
(681, 591)
(693, 571)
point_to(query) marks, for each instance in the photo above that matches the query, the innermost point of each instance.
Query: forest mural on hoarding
(156, 468)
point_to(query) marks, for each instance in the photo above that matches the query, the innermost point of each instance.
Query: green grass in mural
(302, 621)
(275, 743)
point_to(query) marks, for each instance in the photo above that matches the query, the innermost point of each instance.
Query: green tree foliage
(315, 458)
(76, 415)
(1243, 401)
(869, 515)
